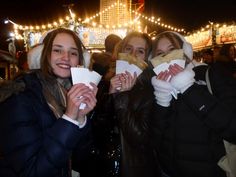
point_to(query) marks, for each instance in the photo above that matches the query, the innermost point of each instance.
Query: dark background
(188, 14)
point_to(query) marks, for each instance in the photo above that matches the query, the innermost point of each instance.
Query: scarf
(54, 91)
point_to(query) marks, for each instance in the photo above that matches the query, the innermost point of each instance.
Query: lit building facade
(116, 15)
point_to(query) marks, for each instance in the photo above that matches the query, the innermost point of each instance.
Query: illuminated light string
(63, 22)
(157, 22)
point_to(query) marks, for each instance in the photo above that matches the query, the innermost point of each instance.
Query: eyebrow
(129, 45)
(58, 45)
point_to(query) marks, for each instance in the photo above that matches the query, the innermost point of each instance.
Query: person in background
(216, 51)
(101, 62)
(110, 43)
(226, 58)
(132, 99)
(42, 127)
(207, 56)
(189, 129)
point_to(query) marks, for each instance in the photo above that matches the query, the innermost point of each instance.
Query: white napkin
(122, 66)
(85, 76)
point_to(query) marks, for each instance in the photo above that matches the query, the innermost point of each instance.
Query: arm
(33, 142)
(217, 110)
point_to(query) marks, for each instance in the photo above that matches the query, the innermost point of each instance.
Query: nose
(133, 52)
(65, 55)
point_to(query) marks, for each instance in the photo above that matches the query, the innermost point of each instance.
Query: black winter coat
(189, 133)
(34, 143)
(133, 111)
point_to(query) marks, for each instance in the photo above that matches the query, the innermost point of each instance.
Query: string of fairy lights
(197, 38)
(90, 21)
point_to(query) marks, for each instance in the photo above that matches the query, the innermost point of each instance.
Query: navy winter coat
(34, 143)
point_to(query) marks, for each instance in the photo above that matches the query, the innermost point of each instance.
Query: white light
(6, 21)
(11, 34)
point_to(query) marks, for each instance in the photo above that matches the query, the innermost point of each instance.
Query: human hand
(115, 84)
(127, 81)
(77, 95)
(162, 90)
(122, 82)
(164, 75)
(181, 79)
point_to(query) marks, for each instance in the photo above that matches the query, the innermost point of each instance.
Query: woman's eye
(56, 50)
(74, 53)
(140, 51)
(159, 53)
(171, 49)
(128, 49)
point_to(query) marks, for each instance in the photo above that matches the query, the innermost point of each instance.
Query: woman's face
(64, 55)
(136, 46)
(163, 46)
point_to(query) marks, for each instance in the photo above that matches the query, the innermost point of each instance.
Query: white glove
(183, 80)
(162, 91)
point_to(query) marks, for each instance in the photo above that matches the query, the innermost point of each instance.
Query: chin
(63, 75)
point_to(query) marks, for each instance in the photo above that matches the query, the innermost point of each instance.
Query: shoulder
(24, 84)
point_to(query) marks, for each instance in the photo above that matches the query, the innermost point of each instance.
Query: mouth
(63, 66)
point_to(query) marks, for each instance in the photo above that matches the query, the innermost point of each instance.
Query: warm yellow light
(61, 21)
(73, 15)
(67, 18)
(15, 26)
(94, 24)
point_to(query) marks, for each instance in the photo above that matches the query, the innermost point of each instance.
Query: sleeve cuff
(80, 124)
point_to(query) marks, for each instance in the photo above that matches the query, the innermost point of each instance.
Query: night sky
(188, 14)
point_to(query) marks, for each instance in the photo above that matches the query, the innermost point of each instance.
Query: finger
(174, 70)
(166, 76)
(94, 88)
(77, 91)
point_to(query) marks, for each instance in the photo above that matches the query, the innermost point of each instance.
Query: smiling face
(64, 55)
(136, 46)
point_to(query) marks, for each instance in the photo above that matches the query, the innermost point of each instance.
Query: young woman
(133, 99)
(189, 129)
(42, 127)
